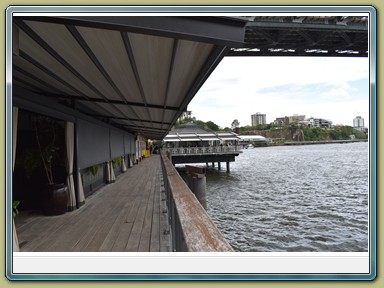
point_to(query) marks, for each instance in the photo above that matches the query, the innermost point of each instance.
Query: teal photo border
(197, 277)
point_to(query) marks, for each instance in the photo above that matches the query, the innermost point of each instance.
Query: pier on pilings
(209, 158)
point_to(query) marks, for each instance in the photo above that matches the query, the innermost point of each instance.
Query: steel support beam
(222, 31)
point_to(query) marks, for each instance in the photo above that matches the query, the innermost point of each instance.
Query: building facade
(295, 119)
(282, 120)
(319, 123)
(301, 120)
(358, 122)
(186, 114)
(258, 118)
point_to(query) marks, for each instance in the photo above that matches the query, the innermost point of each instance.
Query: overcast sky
(333, 88)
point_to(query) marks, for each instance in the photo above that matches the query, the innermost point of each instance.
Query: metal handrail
(192, 229)
(203, 150)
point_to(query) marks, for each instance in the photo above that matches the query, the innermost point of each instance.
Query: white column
(123, 166)
(108, 173)
(70, 145)
(15, 114)
(112, 177)
(80, 190)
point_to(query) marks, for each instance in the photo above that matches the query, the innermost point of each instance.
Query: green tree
(246, 128)
(334, 135)
(344, 132)
(313, 134)
(183, 121)
(200, 123)
(213, 126)
(235, 124)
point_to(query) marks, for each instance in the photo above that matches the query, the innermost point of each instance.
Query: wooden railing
(202, 150)
(191, 227)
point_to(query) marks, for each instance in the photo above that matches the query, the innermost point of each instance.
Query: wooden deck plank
(134, 238)
(145, 237)
(90, 229)
(83, 227)
(155, 230)
(101, 234)
(71, 234)
(110, 239)
(165, 229)
(123, 216)
(49, 232)
(93, 241)
(123, 236)
(131, 203)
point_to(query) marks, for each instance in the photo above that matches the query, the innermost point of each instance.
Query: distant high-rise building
(358, 122)
(258, 118)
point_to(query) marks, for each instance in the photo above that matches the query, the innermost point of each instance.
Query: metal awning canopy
(137, 73)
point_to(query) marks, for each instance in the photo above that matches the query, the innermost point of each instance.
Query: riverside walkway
(125, 216)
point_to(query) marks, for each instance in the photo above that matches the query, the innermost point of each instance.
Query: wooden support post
(228, 167)
(213, 164)
(219, 165)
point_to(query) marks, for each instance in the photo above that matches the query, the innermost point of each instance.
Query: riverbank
(292, 143)
(324, 142)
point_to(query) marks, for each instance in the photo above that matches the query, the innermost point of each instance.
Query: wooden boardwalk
(125, 216)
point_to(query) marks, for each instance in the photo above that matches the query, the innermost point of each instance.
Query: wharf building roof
(194, 133)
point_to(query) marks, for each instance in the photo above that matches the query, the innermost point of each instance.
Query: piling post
(213, 164)
(197, 183)
(228, 170)
(219, 165)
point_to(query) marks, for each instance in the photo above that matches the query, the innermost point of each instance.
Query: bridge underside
(341, 36)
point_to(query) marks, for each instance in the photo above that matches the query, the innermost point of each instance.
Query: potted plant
(15, 211)
(46, 156)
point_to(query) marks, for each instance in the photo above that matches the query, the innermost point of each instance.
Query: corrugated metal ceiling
(140, 82)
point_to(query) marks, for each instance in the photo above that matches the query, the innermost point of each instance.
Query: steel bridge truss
(305, 36)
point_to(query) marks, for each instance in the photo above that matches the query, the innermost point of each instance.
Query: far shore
(291, 143)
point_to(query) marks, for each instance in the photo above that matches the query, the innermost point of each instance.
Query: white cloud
(335, 93)
(282, 86)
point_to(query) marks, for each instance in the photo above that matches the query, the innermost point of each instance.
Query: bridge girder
(345, 36)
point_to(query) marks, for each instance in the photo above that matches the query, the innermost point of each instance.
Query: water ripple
(305, 198)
